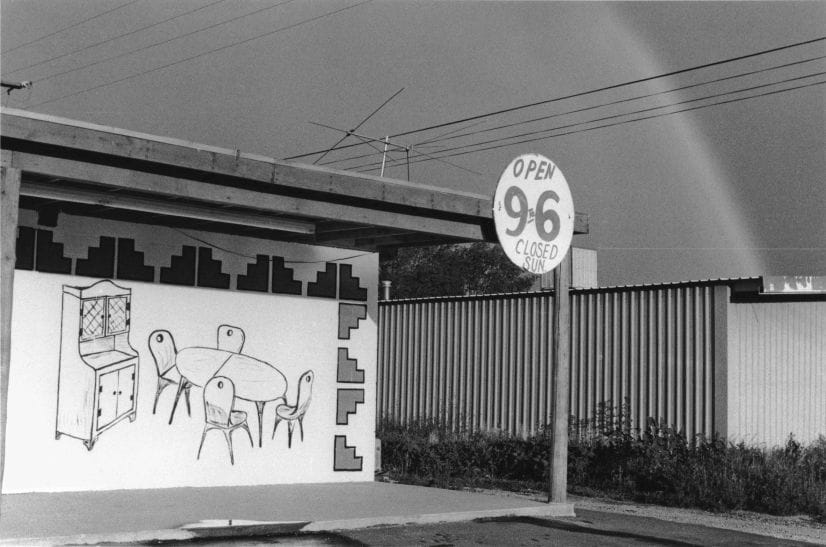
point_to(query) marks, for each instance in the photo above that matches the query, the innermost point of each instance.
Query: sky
(728, 190)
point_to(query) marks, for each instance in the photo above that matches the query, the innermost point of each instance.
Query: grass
(606, 458)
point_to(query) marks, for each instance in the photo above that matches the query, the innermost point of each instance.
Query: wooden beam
(174, 154)
(166, 187)
(9, 200)
(355, 233)
(117, 200)
(117, 143)
(403, 240)
(581, 224)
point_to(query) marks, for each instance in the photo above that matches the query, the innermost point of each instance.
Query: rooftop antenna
(389, 145)
(348, 133)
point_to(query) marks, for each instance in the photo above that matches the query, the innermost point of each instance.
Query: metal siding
(777, 371)
(482, 363)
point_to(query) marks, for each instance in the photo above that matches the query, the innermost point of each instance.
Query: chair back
(219, 393)
(305, 392)
(163, 350)
(230, 338)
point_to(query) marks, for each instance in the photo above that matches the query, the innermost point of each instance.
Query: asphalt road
(587, 529)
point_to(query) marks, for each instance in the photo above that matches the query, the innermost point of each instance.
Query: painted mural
(268, 349)
(97, 380)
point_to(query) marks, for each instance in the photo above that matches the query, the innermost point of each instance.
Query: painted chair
(230, 338)
(293, 414)
(163, 350)
(219, 397)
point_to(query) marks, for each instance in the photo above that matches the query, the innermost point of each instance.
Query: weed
(605, 456)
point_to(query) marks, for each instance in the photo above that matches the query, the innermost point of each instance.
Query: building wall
(301, 308)
(777, 371)
(583, 271)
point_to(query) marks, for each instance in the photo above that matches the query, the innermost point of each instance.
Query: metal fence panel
(483, 363)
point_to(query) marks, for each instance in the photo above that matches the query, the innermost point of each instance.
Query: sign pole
(533, 213)
(557, 489)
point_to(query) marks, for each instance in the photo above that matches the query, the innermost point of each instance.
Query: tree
(451, 270)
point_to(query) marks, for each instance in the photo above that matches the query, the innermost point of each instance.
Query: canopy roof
(92, 170)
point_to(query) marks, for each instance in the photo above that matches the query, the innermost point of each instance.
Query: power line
(268, 259)
(539, 138)
(446, 137)
(119, 36)
(593, 91)
(257, 37)
(68, 27)
(459, 152)
(649, 95)
(362, 122)
(162, 42)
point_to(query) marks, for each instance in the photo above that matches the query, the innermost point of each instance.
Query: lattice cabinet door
(117, 318)
(92, 318)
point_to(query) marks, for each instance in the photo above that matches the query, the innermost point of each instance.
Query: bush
(605, 457)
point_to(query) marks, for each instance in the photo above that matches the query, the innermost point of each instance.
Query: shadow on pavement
(580, 529)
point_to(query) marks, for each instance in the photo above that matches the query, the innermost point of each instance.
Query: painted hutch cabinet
(98, 375)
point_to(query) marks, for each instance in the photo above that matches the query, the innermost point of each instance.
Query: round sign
(534, 213)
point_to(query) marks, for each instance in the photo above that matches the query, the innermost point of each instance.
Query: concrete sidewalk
(188, 513)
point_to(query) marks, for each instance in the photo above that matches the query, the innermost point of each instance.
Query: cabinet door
(92, 318)
(117, 313)
(126, 390)
(108, 388)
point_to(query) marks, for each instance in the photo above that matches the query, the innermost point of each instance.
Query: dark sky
(730, 190)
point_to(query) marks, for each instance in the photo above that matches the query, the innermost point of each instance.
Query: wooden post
(562, 364)
(9, 199)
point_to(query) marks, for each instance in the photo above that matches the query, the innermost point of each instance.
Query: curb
(217, 529)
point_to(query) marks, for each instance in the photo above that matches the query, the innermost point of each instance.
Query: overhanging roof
(93, 170)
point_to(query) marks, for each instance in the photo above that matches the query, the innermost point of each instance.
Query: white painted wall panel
(291, 332)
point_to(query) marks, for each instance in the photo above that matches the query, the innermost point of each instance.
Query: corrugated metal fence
(482, 363)
(474, 363)
(652, 350)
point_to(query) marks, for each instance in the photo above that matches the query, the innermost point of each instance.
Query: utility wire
(362, 122)
(49, 35)
(118, 37)
(162, 42)
(494, 147)
(673, 90)
(230, 251)
(447, 137)
(543, 132)
(598, 90)
(209, 52)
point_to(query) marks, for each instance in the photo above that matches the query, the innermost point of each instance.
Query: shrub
(606, 457)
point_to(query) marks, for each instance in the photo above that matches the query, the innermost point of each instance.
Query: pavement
(180, 514)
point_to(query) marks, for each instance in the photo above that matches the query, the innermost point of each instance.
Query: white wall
(776, 372)
(293, 333)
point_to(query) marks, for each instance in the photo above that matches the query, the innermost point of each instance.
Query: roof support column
(9, 201)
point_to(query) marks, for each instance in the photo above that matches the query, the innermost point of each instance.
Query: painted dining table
(255, 380)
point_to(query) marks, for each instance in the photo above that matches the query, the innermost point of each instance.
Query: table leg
(260, 406)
